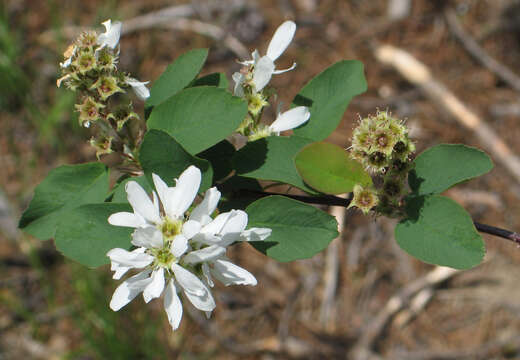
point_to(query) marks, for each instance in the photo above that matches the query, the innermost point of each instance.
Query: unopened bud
(106, 86)
(88, 111)
(364, 199)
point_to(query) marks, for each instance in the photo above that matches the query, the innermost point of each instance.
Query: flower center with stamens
(170, 228)
(163, 257)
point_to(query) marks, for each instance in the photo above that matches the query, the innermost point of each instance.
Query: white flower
(139, 88)
(111, 35)
(290, 119)
(263, 66)
(167, 251)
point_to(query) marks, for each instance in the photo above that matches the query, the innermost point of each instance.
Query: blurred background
(363, 297)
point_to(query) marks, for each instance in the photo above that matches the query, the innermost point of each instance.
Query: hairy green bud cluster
(256, 103)
(381, 143)
(90, 69)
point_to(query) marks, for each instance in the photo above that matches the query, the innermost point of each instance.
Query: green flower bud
(106, 60)
(89, 111)
(103, 145)
(261, 132)
(377, 161)
(84, 62)
(106, 87)
(87, 40)
(121, 115)
(364, 199)
(255, 103)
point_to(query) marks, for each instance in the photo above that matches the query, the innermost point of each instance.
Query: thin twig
(332, 200)
(374, 329)
(503, 233)
(475, 50)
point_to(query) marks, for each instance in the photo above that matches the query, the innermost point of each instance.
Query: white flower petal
(172, 305)
(256, 234)
(179, 246)
(190, 228)
(262, 73)
(209, 253)
(207, 274)
(127, 291)
(202, 212)
(233, 228)
(206, 239)
(155, 288)
(120, 270)
(231, 274)
(194, 289)
(276, 72)
(255, 56)
(139, 88)
(123, 257)
(126, 219)
(290, 119)
(148, 237)
(281, 39)
(184, 192)
(215, 226)
(111, 36)
(141, 203)
(236, 223)
(239, 79)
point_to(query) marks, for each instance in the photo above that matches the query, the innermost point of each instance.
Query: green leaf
(219, 156)
(299, 230)
(440, 167)
(235, 194)
(162, 155)
(64, 189)
(177, 76)
(119, 192)
(86, 236)
(199, 117)
(215, 79)
(272, 158)
(439, 231)
(328, 95)
(328, 168)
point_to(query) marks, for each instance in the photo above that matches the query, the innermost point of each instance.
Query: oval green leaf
(162, 155)
(219, 156)
(177, 76)
(439, 231)
(84, 234)
(443, 166)
(214, 79)
(328, 95)
(272, 158)
(119, 194)
(199, 117)
(64, 188)
(300, 231)
(328, 168)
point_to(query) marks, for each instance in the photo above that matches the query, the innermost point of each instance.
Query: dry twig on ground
(417, 73)
(371, 332)
(475, 50)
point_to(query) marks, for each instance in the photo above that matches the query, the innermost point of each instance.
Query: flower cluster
(381, 143)
(178, 252)
(251, 84)
(90, 68)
